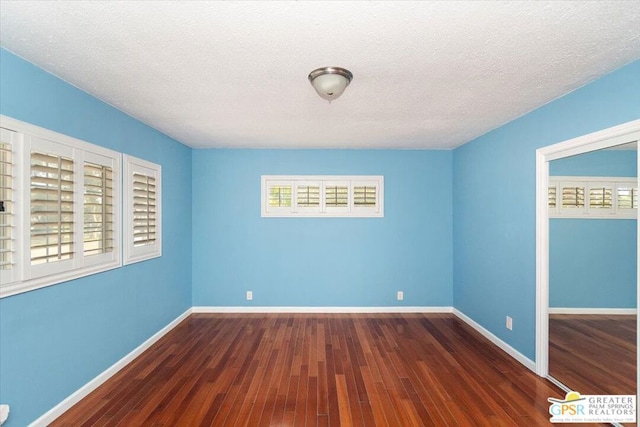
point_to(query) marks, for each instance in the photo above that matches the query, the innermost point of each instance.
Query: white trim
(615, 135)
(225, 309)
(542, 265)
(54, 279)
(530, 364)
(607, 311)
(52, 414)
(612, 136)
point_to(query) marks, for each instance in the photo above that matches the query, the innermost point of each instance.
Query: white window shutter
(307, 196)
(601, 196)
(7, 207)
(337, 197)
(627, 196)
(572, 196)
(50, 226)
(98, 209)
(142, 209)
(553, 191)
(52, 208)
(277, 196)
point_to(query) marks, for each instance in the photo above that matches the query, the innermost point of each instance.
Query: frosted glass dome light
(330, 82)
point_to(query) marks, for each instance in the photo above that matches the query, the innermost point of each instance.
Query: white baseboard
(497, 341)
(49, 416)
(609, 311)
(250, 309)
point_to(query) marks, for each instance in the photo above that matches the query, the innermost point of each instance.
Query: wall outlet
(400, 295)
(249, 295)
(509, 323)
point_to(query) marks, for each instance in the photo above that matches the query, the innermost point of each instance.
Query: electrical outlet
(400, 295)
(509, 323)
(249, 295)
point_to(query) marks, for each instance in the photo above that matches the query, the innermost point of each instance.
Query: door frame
(605, 138)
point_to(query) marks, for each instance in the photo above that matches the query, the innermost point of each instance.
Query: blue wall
(56, 339)
(322, 261)
(597, 163)
(494, 202)
(592, 262)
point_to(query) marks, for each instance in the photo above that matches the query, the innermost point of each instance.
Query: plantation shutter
(336, 196)
(51, 215)
(308, 196)
(98, 209)
(364, 196)
(600, 197)
(627, 197)
(279, 196)
(572, 197)
(552, 196)
(6, 205)
(144, 209)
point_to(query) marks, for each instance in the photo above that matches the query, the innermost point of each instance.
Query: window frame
(132, 253)
(27, 277)
(323, 210)
(588, 183)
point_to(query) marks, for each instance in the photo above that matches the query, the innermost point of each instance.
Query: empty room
(311, 213)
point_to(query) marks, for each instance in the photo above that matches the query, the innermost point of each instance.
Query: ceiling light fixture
(330, 82)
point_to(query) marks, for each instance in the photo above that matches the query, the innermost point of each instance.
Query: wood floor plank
(344, 408)
(320, 370)
(594, 354)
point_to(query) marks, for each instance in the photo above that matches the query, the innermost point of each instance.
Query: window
(142, 210)
(67, 225)
(593, 197)
(322, 196)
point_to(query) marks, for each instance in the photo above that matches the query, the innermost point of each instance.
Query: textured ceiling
(234, 74)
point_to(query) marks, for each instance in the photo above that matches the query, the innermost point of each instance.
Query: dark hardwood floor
(319, 370)
(593, 354)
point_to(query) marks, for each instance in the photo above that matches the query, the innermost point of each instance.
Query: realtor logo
(575, 408)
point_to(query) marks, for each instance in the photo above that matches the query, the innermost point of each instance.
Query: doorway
(606, 138)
